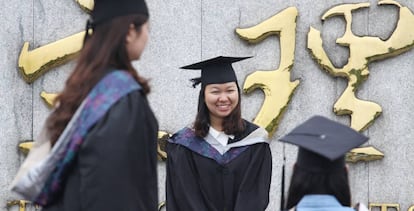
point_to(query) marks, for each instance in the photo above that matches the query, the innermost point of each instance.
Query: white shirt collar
(220, 136)
(260, 135)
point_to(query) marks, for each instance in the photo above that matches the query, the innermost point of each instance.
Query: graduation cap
(215, 71)
(105, 10)
(322, 144)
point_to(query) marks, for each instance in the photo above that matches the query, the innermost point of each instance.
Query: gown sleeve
(182, 186)
(254, 190)
(117, 162)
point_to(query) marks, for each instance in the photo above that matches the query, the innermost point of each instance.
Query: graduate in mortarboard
(320, 177)
(221, 162)
(102, 124)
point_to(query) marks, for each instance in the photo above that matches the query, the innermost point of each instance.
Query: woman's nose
(223, 97)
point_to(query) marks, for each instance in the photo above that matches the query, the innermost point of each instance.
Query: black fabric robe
(197, 183)
(116, 168)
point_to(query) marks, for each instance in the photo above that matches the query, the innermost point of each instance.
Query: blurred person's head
(320, 165)
(116, 34)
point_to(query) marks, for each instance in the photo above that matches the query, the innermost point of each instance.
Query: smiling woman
(233, 152)
(221, 100)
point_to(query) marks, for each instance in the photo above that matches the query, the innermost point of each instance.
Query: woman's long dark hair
(233, 124)
(105, 48)
(304, 182)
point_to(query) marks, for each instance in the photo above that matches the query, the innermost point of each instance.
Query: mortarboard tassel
(87, 30)
(195, 81)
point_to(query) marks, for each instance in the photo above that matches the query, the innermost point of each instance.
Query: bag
(41, 161)
(37, 154)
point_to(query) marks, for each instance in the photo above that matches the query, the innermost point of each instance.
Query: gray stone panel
(392, 88)
(15, 95)
(175, 41)
(187, 31)
(53, 21)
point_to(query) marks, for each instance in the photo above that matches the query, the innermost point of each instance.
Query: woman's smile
(221, 99)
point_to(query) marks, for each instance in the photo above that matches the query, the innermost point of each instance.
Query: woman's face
(136, 41)
(221, 99)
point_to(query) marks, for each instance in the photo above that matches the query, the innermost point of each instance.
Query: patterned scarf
(187, 138)
(108, 91)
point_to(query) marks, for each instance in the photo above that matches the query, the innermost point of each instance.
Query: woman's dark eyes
(217, 91)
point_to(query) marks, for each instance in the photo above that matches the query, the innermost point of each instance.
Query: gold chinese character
(34, 63)
(384, 207)
(362, 51)
(275, 84)
(22, 204)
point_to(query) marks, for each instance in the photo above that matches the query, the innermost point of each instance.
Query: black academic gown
(116, 168)
(198, 183)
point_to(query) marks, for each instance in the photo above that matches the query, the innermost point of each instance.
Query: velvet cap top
(106, 10)
(215, 71)
(323, 143)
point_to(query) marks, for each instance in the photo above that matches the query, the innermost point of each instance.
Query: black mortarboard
(215, 70)
(323, 143)
(105, 10)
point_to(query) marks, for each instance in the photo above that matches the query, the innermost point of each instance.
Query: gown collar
(187, 138)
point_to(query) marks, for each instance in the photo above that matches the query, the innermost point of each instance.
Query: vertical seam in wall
(201, 30)
(32, 84)
(284, 180)
(368, 93)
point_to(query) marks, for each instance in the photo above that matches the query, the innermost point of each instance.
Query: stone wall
(186, 31)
